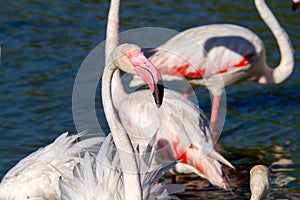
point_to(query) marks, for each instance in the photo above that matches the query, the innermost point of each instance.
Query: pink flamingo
(219, 55)
(182, 130)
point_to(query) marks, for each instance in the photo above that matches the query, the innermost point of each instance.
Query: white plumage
(183, 133)
(177, 118)
(100, 177)
(260, 182)
(37, 175)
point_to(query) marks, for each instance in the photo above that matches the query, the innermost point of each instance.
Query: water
(44, 43)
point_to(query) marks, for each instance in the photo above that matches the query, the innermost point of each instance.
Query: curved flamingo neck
(132, 187)
(131, 179)
(285, 68)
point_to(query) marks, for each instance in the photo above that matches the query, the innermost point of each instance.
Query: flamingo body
(100, 177)
(220, 55)
(37, 175)
(141, 120)
(183, 133)
(195, 54)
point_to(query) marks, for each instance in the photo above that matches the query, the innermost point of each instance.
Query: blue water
(44, 43)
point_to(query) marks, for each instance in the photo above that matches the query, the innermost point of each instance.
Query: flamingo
(109, 180)
(260, 182)
(100, 176)
(220, 55)
(182, 129)
(37, 175)
(128, 58)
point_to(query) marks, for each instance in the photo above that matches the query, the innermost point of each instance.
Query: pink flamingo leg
(188, 92)
(214, 115)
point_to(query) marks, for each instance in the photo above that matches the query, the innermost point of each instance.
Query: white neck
(122, 141)
(131, 179)
(285, 68)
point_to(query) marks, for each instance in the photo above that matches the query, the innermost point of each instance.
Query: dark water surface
(44, 43)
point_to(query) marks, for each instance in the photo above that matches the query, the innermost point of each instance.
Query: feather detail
(182, 130)
(102, 178)
(37, 175)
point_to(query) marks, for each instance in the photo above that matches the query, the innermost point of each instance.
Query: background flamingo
(182, 129)
(260, 182)
(219, 55)
(183, 134)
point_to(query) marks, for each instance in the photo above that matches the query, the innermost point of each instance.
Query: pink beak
(150, 74)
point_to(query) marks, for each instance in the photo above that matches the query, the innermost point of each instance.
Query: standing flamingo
(182, 130)
(219, 55)
(37, 175)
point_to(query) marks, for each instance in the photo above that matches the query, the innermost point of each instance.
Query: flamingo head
(131, 59)
(260, 182)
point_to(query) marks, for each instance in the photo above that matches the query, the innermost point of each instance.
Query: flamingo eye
(127, 55)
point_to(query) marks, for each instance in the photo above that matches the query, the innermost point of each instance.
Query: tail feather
(208, 150)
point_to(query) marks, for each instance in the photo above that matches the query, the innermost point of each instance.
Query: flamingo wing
(100, 177)
(37, 175)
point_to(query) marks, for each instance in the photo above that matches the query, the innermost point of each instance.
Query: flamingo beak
(158, 93)
(150, 74)
(295, 6)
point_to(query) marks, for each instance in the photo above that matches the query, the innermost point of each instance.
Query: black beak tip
(158, 94)
(295, 6)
